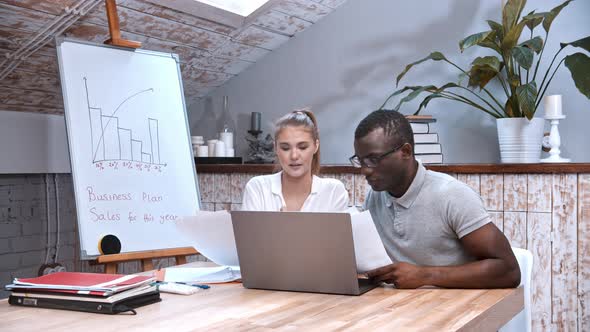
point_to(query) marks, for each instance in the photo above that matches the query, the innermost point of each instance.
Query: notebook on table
(297, 251)
(86, 304)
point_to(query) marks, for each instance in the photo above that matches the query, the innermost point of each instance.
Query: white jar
(211, 144)
(219, 149)
(203, 151)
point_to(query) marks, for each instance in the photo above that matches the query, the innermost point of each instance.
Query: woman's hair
(302, 118)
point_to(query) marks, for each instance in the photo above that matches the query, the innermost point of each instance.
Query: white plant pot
(520, 139)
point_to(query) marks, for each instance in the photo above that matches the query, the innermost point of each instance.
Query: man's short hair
(394, 124)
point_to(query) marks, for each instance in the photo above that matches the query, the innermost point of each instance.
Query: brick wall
(23, 224)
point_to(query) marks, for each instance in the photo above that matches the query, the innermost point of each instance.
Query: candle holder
(555, 141)
(255, 133)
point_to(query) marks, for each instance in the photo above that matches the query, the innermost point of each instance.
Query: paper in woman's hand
(212, 235)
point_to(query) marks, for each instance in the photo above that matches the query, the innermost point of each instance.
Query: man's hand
(402, 275)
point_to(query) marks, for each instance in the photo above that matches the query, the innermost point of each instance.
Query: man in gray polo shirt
(435, 228)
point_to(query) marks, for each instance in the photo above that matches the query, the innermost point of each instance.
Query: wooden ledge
(445, 168)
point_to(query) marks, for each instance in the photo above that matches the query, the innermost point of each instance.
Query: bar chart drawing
(113, 142)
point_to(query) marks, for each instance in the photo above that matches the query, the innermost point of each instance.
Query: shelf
(445, 168)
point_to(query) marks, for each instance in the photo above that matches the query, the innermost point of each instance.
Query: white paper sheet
(215, 274)
(212, 234)
(368, 247)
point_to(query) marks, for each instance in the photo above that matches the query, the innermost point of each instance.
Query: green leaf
(483, 70)
(536, 44)
(489, 61)
(417, 91)
(526, 95)
(583, 43)
(426, 100)
(524, 56)
(534, 19)
(490, 42)
(497, 27)
(436, 56)
(508, 110)
(511, 38)
(552, 14)
(474, 39)
(398, 92)
(579, 66)
(511, 12)
(514, 81)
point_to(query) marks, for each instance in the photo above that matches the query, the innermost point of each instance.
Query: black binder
(125, 305)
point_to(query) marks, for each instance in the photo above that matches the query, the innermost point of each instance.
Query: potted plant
(517, 53)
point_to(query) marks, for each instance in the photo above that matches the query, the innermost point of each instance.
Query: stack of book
(90, 292)
(427, 147)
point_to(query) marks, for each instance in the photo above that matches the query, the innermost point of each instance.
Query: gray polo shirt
(424, 226)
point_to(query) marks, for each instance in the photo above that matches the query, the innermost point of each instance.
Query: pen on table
(194, 285)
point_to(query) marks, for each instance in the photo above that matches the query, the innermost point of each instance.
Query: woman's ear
(317, 146)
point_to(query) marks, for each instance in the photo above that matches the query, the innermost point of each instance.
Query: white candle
(211, 147)
(203, 151)
(553, 106)
(227, 138)
(229, 152)
(219, 149)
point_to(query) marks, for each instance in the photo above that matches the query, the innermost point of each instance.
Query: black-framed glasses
(371, 162)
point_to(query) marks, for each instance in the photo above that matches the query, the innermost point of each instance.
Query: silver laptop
(297, 251)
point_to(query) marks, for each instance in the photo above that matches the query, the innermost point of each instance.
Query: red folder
(81, 283)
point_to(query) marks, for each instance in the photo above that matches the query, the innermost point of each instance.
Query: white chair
(522, 321)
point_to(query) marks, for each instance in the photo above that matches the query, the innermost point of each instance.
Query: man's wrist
(429, 275)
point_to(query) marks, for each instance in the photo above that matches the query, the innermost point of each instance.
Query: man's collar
(411, 194)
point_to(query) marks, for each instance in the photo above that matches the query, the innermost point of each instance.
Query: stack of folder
(90, 292)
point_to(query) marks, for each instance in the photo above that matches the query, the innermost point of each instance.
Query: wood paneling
(515, 192)
(255, 36)
(20, 79)
(174, 15)
(361, 188)
(539, 243)
(23, 19)
(237, 185)
(539, 193)
(515, 228)
(207, 187)
(222, 189)
(492, 191)
(148, 25)
(304, 9)
(564, 252)
(584, 252)
(498, 219)
(55, 7)
(11, 96)
(280, 22)
(472, 180)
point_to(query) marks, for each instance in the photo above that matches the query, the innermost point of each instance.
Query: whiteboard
(130, 151)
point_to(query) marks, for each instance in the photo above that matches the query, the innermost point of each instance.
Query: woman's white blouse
(264, 193)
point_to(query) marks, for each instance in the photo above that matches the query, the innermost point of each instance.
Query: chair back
(522, 321)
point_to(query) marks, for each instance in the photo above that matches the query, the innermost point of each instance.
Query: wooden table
(231, 307)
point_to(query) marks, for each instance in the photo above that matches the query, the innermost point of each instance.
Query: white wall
(345, 65)
(33, 143)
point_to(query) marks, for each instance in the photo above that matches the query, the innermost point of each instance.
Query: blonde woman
(296, 187)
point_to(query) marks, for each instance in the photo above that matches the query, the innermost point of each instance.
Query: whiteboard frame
(58, 42)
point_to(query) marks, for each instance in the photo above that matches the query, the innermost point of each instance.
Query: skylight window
(240, 7)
